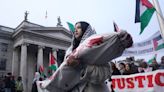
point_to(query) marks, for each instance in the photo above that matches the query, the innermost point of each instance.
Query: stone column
(40, 56)
(23, 65)
(15, 63)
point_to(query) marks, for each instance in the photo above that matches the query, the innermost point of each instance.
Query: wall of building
(5, 52)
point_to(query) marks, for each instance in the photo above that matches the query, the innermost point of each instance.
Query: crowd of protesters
(8, 83)
(130, 66)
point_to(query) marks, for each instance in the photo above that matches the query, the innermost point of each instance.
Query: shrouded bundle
(95, 50)
(100, 49)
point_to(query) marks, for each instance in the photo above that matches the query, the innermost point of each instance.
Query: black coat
(34, 87)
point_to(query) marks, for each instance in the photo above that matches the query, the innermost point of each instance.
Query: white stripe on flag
(142, 9)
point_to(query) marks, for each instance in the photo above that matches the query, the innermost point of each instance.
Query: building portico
(31, 47)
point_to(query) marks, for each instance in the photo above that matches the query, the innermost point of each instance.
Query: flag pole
(159, 17)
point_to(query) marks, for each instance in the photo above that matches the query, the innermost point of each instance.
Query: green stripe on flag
(152, 59)
(161, 46)
(42, 75)
(53, 67)
(71, 26)
(145, 18)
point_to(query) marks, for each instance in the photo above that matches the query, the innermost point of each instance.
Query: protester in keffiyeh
(85, 67)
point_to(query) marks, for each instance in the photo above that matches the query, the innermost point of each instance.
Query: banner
(154, 44)
(140, 82)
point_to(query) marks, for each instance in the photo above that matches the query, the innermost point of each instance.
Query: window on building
(4, 47)
(3, 64)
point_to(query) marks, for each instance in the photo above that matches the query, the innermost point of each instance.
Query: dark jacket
(34, 87)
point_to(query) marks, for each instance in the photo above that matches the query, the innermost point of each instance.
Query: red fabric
(52, 59)
(155, 44)
(146, 3)
(41, 68)
(96, 41)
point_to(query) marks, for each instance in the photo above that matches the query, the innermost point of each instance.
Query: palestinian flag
(158, 43)
(152, 59)
(144, 12)
(52, 64)
(71, 27)
(41, 71)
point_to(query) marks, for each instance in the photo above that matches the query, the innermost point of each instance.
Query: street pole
(159, 17)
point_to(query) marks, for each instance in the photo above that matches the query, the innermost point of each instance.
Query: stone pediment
(26, 24)
(56, 32)
(59, 32)
(54, 37)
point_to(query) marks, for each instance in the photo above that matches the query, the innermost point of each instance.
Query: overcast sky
(99, 13)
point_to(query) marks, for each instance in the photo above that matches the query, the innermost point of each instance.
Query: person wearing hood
(88, 72)
(34, 85)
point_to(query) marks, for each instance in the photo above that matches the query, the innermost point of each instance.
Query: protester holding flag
(88, 71)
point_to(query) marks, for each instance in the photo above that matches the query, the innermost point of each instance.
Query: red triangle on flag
(41, 69)
(52, 59)
(155, 44)
(146, 3)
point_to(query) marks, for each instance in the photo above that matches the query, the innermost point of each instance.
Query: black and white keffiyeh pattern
(88, 33)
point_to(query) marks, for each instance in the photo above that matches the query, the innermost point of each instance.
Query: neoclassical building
(28, 47)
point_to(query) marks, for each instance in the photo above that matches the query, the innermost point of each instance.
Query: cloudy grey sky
(99, 13)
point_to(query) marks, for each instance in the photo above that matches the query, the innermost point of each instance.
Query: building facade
(6, 44)
(28, 47)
